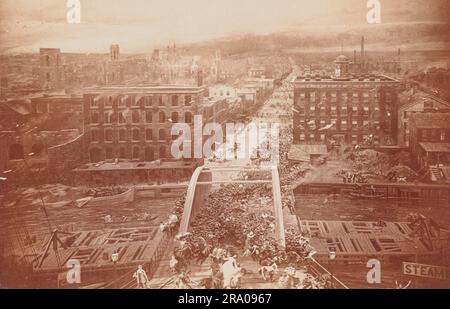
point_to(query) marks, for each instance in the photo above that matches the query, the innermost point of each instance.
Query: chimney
(354, 56)
(114, 52)
(199, 78)
(362, 53)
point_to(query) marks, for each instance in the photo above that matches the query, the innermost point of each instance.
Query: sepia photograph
(252, 145)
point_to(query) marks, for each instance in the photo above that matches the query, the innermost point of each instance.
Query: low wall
(113, 200)
(389, 190)
(195, 197)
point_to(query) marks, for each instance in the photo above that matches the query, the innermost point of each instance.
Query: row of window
(136, 135)
(221, 93)
(139, 101)
(343, 108)
(138, 117)
(137, 153)
(374, 117)
(343, 124)
(434, 135)
(343, 101)
(351, 94)
(322, 137)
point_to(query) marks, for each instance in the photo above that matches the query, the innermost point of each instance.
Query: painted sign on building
(426, 271)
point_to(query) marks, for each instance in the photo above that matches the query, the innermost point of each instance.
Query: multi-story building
(345, 108)
(135, 122)
(57, 104)
(256, 72)
(412, 102)
(429, 140)
(113, 68)
(51, 70)
(267, 84)
(223, 91)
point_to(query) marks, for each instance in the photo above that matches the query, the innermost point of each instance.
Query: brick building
(134, 122)
(429, 140)
(412, 102)
(345, 107)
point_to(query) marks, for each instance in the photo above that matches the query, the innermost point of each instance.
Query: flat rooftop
(145, 89)
(436, 147)
(127, 166)
(365, 239)
(94, 248)
(354, 78)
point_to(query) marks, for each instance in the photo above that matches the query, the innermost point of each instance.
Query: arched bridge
(202, 182)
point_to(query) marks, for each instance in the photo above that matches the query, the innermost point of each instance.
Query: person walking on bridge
(141, 278)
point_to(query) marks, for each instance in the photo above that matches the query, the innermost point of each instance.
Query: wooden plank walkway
(94, 249)
(358, 241)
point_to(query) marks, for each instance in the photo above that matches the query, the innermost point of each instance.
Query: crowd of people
(230, 226)
(352, 177)
(236, 222)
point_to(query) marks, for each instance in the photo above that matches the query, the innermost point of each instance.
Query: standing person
(229, 270)
(173, 264)
(184, 281)
(141, 278)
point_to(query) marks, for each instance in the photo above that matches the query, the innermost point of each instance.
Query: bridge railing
(319, 270)
(201, 183)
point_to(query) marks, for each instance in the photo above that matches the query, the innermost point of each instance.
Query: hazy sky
(138, 25)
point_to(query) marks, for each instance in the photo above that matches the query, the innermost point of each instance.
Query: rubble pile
(386, 167)
(401, 173)
(105, 191)
(239, 219)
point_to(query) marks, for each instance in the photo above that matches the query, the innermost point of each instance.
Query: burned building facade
(113, 68)
(135, 122)
(51, 71)
(345, 108)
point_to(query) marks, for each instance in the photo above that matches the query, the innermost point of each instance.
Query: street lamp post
(332, 256)
(114, 259)
(2, 180)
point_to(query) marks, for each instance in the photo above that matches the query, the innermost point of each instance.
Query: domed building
(342, 64)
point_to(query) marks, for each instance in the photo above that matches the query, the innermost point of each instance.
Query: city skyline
(25, 26)
(225, 144)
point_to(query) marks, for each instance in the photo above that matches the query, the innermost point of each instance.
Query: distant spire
(362, 52)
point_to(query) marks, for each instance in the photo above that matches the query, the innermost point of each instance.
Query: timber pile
(105, 191)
